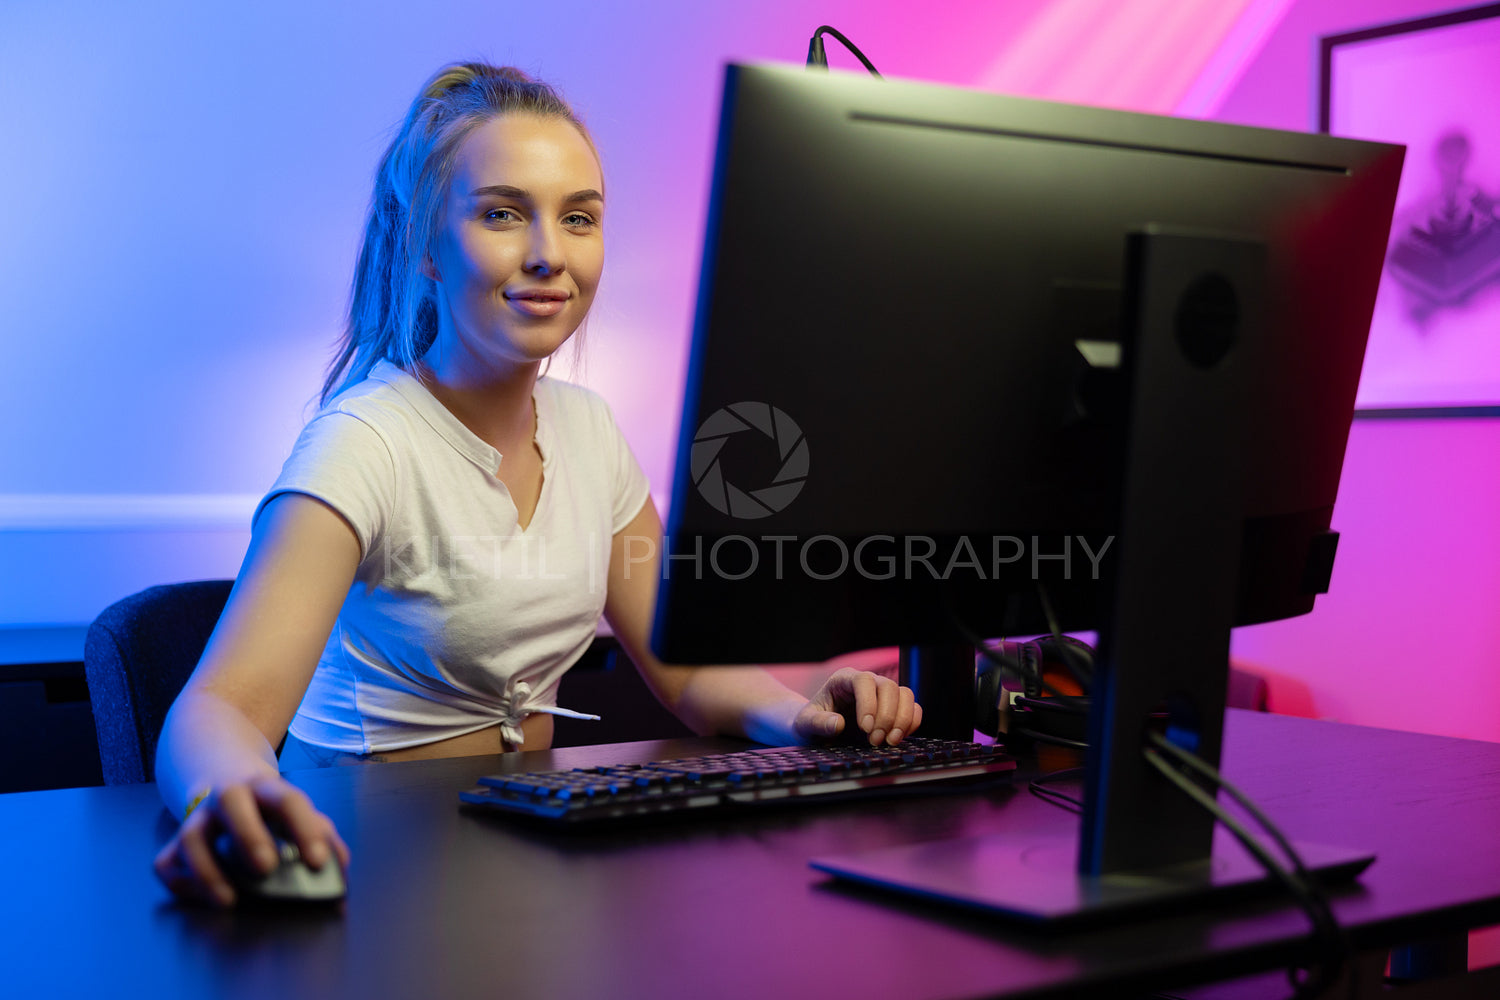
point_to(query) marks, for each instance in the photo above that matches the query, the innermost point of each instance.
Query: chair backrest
(137, 656)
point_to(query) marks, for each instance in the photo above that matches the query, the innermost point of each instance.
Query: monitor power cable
(817, 56)
(1336, 948)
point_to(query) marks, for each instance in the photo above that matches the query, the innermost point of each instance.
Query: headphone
(1011, 682)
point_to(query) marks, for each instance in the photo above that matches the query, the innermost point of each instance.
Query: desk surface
(453, 904)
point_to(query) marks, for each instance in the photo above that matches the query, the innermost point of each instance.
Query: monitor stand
(1191, 325)
(936, 674)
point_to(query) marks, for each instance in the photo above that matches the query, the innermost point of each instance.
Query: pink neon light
(1226, 67)
(1143, 55)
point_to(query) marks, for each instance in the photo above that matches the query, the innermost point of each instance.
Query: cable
(1315, 984)
(1050, 704)
(817, 58)
(1301, 886)
(1298, 880)
(1056, 798)
(1211, 774)
(1057, 741)
(1198, 764)
(1038, 787)
(1083, 674)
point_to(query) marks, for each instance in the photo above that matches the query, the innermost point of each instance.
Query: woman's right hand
(187, 866)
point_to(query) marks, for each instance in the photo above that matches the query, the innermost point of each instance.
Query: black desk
(450, 904)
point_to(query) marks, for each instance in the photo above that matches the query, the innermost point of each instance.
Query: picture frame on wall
(1429, 83)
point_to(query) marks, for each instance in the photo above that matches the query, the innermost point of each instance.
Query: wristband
(196, 801)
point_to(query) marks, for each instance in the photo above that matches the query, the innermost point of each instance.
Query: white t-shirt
(457, 618)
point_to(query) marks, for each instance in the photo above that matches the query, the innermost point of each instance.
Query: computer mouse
(292, 880)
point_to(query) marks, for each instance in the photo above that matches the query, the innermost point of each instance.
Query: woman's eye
(577, 220)
(500, 215)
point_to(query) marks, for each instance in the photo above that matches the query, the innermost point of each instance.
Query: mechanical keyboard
(781, 776)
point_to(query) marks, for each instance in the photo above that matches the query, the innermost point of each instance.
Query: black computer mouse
(292, 881)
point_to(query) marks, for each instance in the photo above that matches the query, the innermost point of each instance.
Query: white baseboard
(126, 511)
(66, 557)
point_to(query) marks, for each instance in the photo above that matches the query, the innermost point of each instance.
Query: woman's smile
(538, 301)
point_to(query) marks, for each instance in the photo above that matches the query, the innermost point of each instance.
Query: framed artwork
(1431, 84)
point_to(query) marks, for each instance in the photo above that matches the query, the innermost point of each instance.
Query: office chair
(137, 656)
(141, 650)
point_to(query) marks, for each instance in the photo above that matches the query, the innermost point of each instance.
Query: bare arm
(220, 733)
(738, 700)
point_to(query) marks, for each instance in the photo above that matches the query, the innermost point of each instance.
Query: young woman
(450, 526)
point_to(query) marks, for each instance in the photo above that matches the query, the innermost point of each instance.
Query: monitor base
(1034, 879)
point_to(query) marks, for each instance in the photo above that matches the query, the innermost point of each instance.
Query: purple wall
(1409, 635)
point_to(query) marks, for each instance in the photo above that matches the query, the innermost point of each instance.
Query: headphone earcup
(990, 694)
(1043, 716)
(987, 694)
(1048, 650)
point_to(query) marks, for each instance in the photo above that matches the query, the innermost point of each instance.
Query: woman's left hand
(884, 711)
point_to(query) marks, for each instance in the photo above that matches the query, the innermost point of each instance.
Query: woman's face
(520, 247)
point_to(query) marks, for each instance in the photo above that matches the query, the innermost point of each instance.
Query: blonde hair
(392, 305)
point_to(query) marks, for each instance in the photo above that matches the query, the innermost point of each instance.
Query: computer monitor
(957, 352)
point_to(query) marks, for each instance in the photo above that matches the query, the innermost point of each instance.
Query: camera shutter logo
(748, 501)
